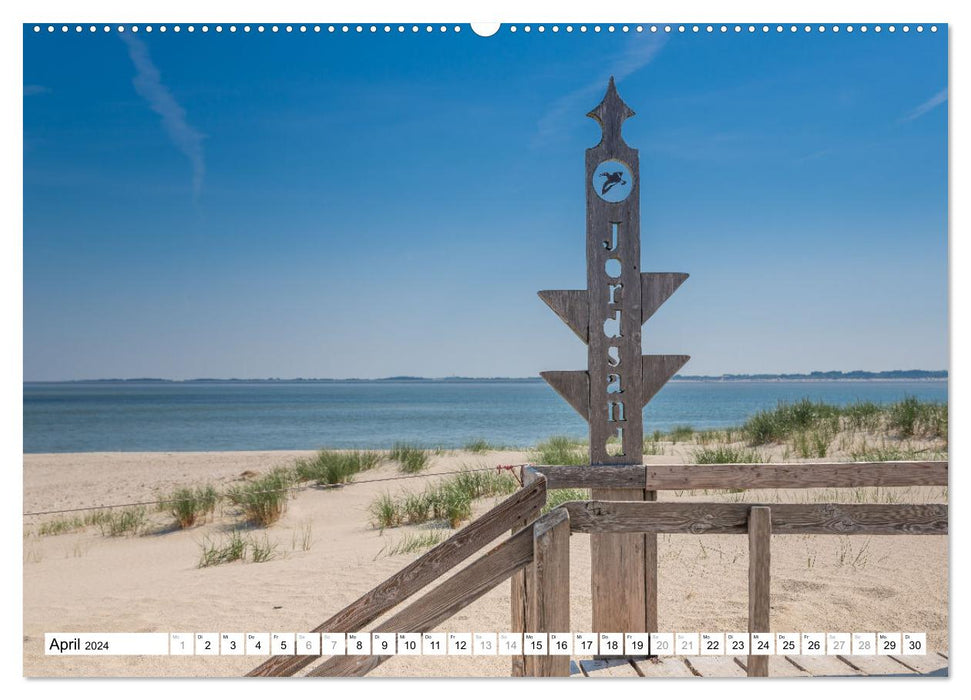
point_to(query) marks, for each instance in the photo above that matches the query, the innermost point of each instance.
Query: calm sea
(129, 416)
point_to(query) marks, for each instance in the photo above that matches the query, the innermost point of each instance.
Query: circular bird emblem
(612, 181)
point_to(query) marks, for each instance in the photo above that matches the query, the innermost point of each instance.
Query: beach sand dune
(83, 581)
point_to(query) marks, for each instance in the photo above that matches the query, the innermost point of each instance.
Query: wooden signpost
(619, 381)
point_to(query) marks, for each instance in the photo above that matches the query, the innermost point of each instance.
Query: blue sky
(369, 205)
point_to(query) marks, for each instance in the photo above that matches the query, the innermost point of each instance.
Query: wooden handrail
(732, 518)
(465, 587)
(525, 504)
(677, 477)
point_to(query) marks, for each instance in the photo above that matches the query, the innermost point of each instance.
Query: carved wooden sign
(619, 381)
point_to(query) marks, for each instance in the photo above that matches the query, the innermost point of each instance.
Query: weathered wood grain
(572, 306)
(759, 563)
(608, 668)
(463, 588)
(626, 476)
(662, 667)
(779, 666)
(650, 575)
(932, 663)
(618, 575)
(676, 477)
(520, 584)
(732, 518)
(656, 287)
(515, 510)
(611, 394)
(878, 665)
(715, 666)
(685, 477)
(656, 371)
(824, 665)
(549, 608)
(572, 385)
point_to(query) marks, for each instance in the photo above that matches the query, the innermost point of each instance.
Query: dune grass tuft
(411, 459)
(560, 450)
(61, 526)
(191, 505)
(236, 547)
(912, 417)
(232, 549)
(681, 433)
(726, 455)
(264, 500)
(385, 511)
(327, 467)
(450, 499)
(127, 522)
(477, 446)
(417, 542)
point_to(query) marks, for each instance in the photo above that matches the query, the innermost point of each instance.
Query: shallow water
(197, 416)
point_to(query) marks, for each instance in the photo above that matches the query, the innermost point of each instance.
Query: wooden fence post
(549, 608)
(759, 543)
(521, 584)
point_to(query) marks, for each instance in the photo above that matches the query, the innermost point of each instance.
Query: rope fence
(303, 487)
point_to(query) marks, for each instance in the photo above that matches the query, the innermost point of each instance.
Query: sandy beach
(328, 553)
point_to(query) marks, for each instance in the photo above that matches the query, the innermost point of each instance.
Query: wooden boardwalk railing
(733, 518)
(523, 506)
(536, 555)
(685, 477)
(759, 522)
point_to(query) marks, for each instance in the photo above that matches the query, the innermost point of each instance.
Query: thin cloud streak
(148, 84)
(926, 107)
(35, 90)
(639, 53)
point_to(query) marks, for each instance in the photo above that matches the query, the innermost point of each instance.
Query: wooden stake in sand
(619, 381)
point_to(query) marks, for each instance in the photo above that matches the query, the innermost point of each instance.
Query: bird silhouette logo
(612, 179)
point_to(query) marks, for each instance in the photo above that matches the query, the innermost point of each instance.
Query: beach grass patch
(215, 553)
(726, 455)
(236, 547)
(191, 505)
(912, 417)
(478, 446)
(417, 542)
(681, 433)
(449, 499)
(411, 459)
(75, 523)
(306, 537)
(329, 468)
(786, 419)
(560, 450)
(261, 550)
(863, 415)
(385, 511)
(264, 500)
(126, 522)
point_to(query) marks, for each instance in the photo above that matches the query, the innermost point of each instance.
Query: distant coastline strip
(854, 375)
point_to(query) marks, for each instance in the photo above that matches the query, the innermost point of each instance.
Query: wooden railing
(537, 555)
(522, 507)
(758, 521)
(685, 477)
